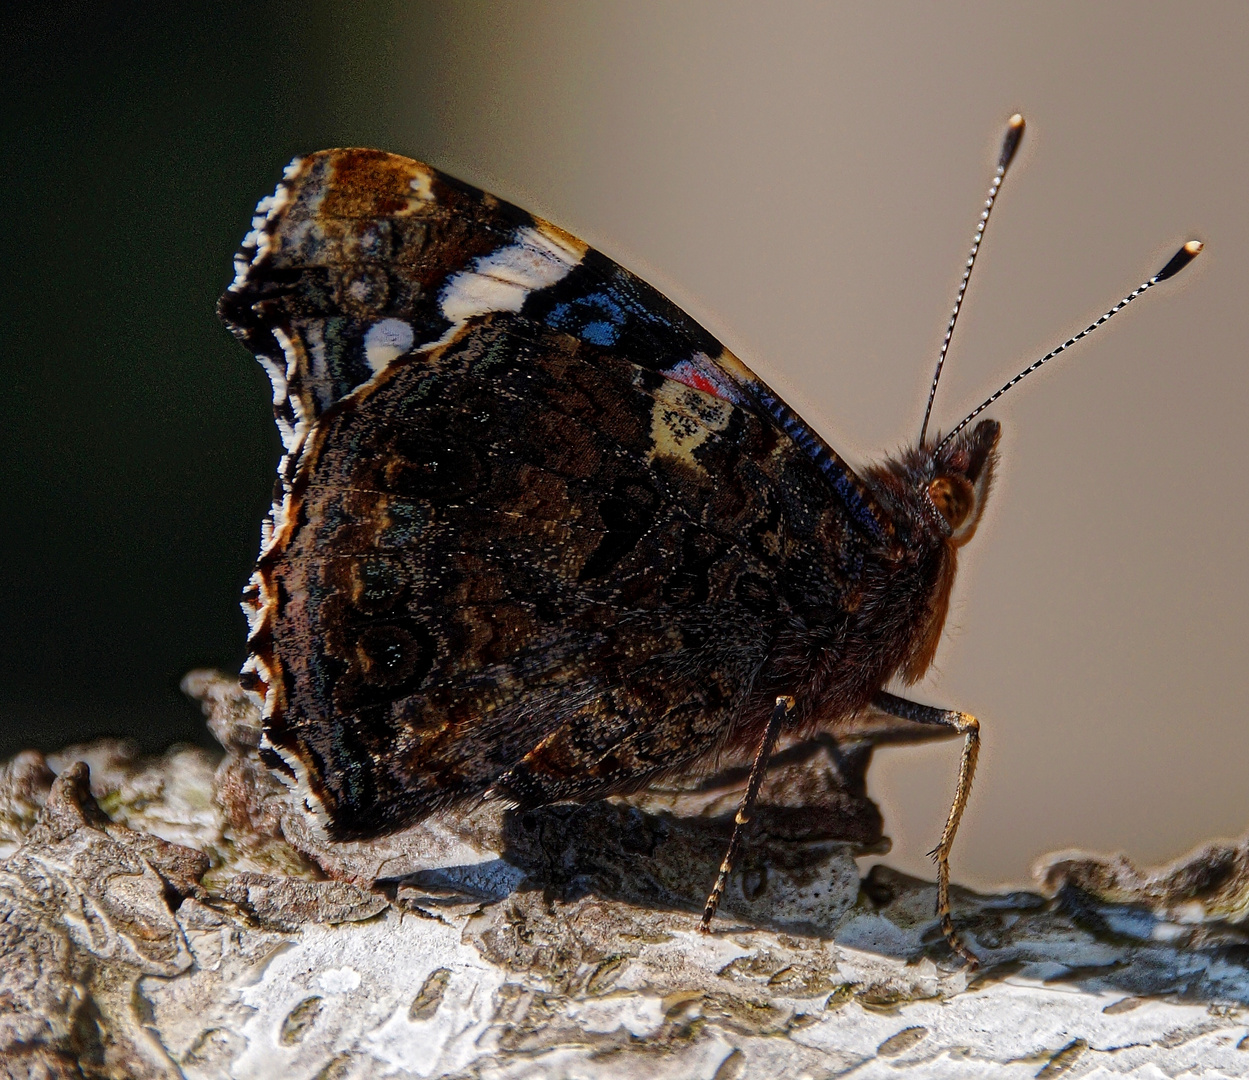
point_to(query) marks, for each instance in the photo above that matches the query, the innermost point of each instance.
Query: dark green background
(136, 441)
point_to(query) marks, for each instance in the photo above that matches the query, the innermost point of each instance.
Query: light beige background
(804, 178)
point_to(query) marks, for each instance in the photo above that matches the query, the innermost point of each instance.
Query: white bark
(179, 918)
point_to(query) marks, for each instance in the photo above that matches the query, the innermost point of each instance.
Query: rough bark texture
(179, 917)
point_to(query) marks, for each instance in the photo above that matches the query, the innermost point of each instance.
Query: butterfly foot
(956, 943)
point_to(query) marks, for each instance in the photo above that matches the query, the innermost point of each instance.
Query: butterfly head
(936, 492)
(956, 483)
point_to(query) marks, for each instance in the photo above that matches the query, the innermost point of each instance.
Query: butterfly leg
(784, 706)
(969, 727)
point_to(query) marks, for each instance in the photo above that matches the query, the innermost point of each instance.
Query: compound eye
(954, 497)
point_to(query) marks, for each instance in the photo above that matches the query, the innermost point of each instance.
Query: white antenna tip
(1193, 247)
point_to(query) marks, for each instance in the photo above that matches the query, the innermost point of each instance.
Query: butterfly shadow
(661, 849)
(645, 863)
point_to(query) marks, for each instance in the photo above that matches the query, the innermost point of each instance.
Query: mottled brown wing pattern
(537, 533)
(499, 580)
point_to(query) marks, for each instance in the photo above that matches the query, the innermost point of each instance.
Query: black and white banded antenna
(1010, 143)
(1174, 265)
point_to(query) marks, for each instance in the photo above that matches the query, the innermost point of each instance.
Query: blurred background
(804, 178)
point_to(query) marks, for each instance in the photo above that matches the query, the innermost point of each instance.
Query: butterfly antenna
(1174, 265)
(1010, 143)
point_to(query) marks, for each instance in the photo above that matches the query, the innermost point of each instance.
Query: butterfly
(537, 535)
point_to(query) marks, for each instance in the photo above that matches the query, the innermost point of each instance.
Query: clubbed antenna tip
(1010, 141)
(1179, 260)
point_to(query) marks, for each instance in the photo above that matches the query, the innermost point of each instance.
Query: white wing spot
(422, 185)
(386, 341)
(503, 279)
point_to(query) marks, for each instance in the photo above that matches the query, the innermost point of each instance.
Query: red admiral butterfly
(538, 535)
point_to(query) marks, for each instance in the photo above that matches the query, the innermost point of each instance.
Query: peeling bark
(179, 917)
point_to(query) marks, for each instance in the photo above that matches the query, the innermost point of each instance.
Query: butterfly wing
(536, 529)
